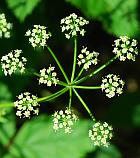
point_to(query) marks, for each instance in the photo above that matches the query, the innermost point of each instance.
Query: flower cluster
(26, 104)
(112, 84)
(125, 48)
(73, 24)
(4, 27)
(100, 134)
(13, 61)
(38, 36)
(86, 58)
(64, 119)
(48, 76)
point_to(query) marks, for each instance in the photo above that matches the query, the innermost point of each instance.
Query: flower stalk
(74, 59)
(58, 63)
(96, 71)
(84, 104)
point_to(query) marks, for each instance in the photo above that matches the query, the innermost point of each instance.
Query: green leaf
(37, 138)
(136, 115)
(22, 8)
(110, 152)
(123, 19)
(7, 130)
(5, 94)
(91, 8)
(118, 18)
(5, 97)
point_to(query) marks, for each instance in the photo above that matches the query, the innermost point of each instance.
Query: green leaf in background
(37, 139)
(5, 96)
(7, 131)
(110, 152)
(136, 115)
(123, 18)
(22, 8)
(7, 125)
(118, 17)
(91, 8)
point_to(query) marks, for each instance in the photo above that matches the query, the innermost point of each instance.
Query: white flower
(73, 24)
(64, 119)
(12, 62)
(87, 58)
(48, 76)
(38, 36)
(111, 85)
(125, 48)
(4, 27)
(100, 134)
(26, 105)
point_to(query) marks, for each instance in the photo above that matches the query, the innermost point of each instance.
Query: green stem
(5, 105)
(81, 71)
(84, 104)
(87, 87)
(53, 96)
(59, 83)
(74, 59)
(40, 100)
(97, 70)
(70, 97)
(58, 63)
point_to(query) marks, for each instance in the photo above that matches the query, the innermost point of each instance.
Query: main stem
(58, 63)
(74, 59)
(96, 71)
(84, 104)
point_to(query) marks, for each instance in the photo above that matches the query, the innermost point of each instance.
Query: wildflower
(87, 58)
(100, 134)
(38, 36)
(48, 76)
(73, 24)
(125, 48)
(111, 85)
(4, 27)
(64, 119)
(13, 61)
(26, 105)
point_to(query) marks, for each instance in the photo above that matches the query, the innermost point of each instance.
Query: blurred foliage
(5, 96)
(7, 131)
(136, 115)
(119, 17)
(22, 8)
(110, 152)
(37, 138)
